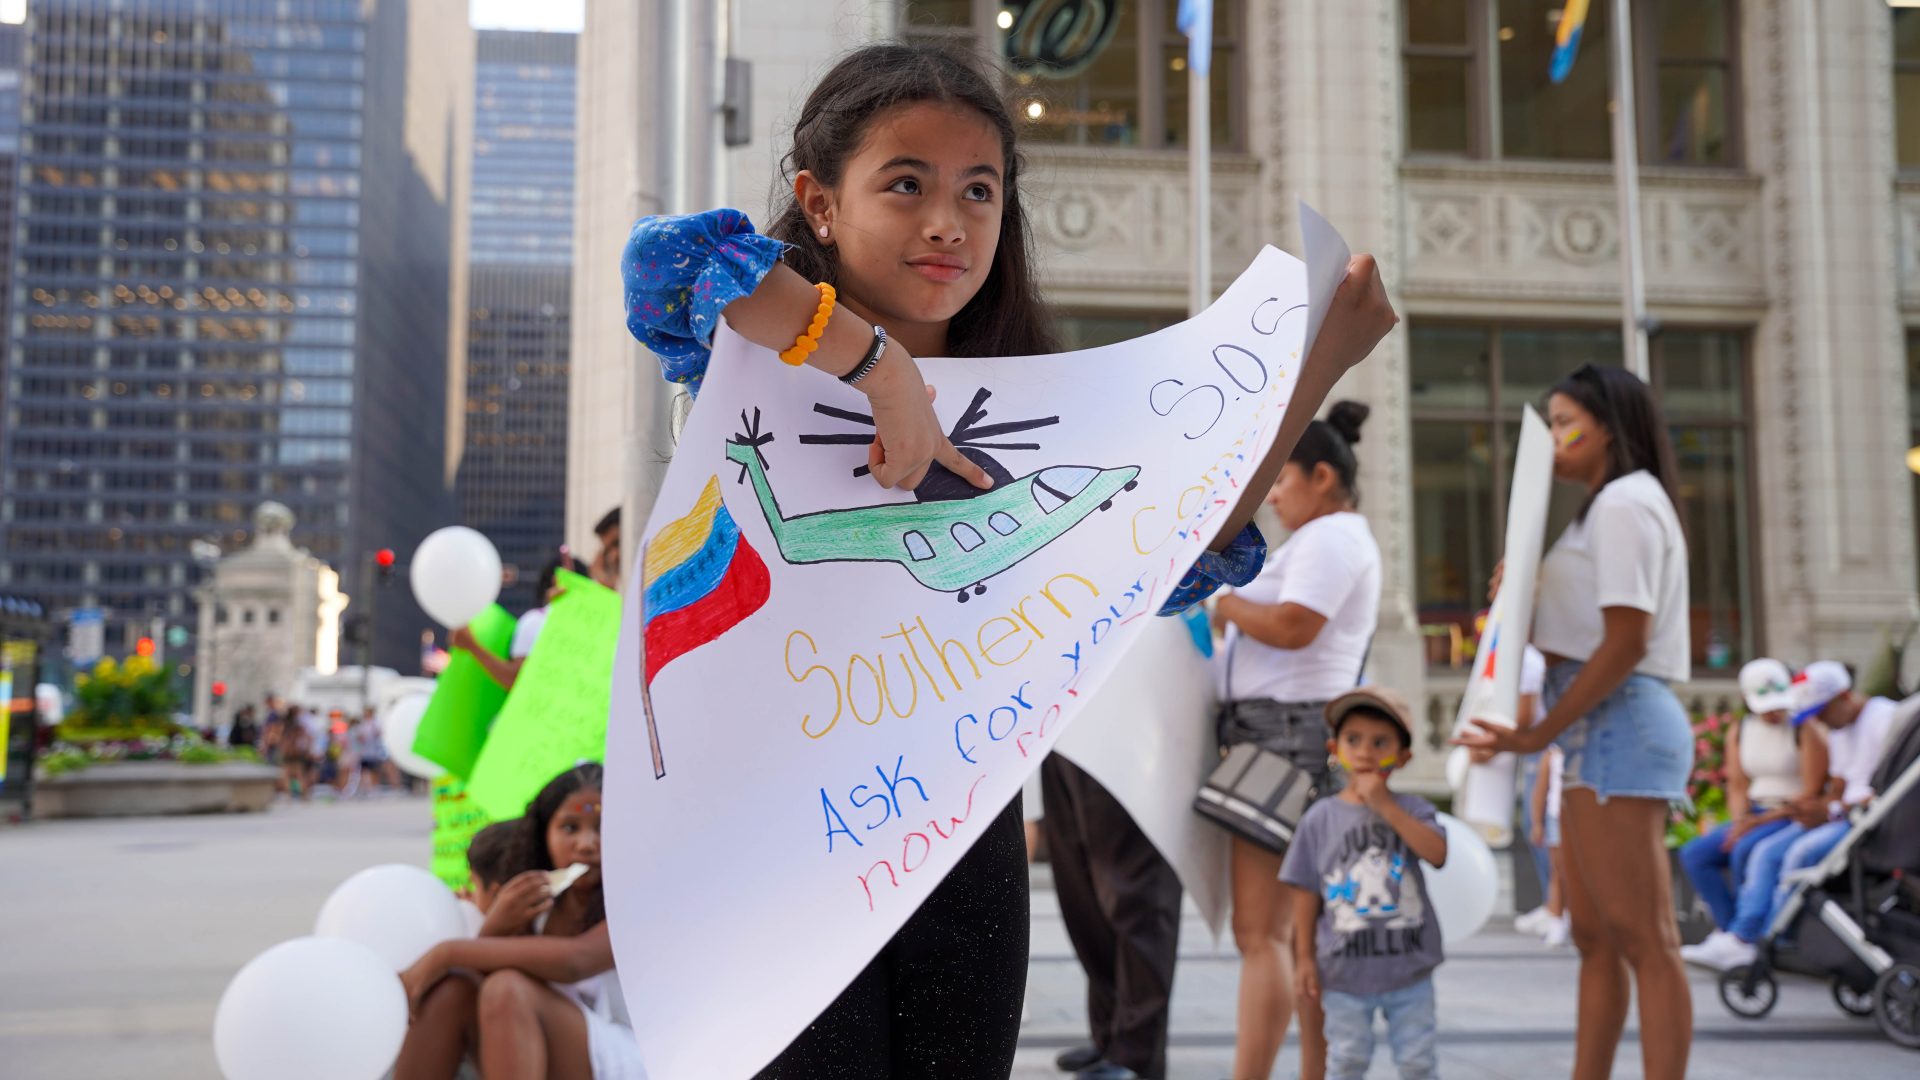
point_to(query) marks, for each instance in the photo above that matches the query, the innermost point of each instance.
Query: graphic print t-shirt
(1377, 931)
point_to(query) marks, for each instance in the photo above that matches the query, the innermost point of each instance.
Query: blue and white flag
(1196, 21)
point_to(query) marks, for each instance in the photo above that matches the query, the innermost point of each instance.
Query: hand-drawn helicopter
(955, 536)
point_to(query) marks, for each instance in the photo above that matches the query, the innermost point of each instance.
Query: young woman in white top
(1297, 637)
(1611, 617)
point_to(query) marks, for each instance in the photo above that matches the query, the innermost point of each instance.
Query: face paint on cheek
(1572, 439)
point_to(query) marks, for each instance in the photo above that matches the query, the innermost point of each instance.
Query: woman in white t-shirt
(1297, 637)
(1611, 615)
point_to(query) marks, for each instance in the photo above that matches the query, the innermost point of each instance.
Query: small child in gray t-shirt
(1365, 937)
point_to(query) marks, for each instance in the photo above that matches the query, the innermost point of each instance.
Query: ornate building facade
(1781, 239)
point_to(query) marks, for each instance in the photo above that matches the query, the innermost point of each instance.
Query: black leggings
(942, 999)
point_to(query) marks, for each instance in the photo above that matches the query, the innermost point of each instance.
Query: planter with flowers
(119, 752)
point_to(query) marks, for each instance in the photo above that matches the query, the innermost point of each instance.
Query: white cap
(1767, 685)
(1818, 685)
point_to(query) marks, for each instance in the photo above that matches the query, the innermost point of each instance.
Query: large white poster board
(1493, 692)
(841, 686)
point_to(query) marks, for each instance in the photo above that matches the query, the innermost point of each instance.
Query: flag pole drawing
(700, 578)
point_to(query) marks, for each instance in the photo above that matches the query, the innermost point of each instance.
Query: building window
(1906, 88)
(1110, 73)
(1468, 382)
(1091, 329)
(1478, 82)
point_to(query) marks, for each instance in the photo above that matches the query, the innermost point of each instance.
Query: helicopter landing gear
(1131, 484)
(965, 595)
(1108, 505)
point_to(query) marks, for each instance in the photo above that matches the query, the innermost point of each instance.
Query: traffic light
(383, 564)
(144, 647)
(219, 691)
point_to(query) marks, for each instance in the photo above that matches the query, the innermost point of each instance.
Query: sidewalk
(117, 937)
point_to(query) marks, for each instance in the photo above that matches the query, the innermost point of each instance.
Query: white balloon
(398, 726)
(1463, 891)
(1458, 761)
(455, 574)
(397, 911)
(311, 1009)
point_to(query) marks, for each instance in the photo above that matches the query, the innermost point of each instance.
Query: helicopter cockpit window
(918, 547)
(1055, 487)
(966, 536)
(1003, 523)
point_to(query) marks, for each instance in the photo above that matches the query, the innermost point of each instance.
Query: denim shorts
(1296, 730)
(1638, 743)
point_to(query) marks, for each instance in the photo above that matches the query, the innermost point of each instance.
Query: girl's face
(1300, 494)
(916, 218)
(573, 833)
(1579, 442)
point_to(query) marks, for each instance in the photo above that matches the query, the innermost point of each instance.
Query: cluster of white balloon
(1464, 891)
(283, 1016)
(330, 1006)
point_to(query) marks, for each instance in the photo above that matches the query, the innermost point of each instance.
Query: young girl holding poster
(904, 212)
(1611, 617)
(1296, 639)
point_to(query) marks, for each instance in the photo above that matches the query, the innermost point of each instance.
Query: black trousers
(942, 999)
(1121, 904)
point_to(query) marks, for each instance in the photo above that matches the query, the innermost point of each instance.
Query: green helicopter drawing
(954, 536)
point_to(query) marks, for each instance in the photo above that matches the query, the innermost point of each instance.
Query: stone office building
(1780, 193)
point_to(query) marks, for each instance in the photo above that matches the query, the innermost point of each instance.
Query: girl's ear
(815, 200)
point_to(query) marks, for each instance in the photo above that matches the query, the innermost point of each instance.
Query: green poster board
(465, 699)
(456, 818)
(556, 715)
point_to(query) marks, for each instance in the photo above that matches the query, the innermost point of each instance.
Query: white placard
(1493, 691)
(842, 686)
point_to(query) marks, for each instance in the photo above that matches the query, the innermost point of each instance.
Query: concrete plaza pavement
(117, 937)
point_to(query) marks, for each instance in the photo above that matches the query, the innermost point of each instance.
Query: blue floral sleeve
(679, 272)
(1237, 565)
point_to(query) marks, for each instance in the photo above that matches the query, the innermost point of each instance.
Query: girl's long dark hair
(1625, 406)
(1006, 317)
(528, 848)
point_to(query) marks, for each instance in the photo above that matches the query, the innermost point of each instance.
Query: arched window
(966, 536)
(918, 548)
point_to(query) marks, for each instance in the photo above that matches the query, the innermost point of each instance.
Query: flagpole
(1199, 174)
(1626, 182)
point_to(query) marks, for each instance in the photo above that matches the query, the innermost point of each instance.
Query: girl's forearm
(779, 311)
(555, 959)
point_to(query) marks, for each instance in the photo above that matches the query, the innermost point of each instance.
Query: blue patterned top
(679, 272)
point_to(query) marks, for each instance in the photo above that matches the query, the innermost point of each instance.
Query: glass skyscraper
(231, 286)
(512, 477)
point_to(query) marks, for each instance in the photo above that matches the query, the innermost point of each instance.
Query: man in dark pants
(1121, 904)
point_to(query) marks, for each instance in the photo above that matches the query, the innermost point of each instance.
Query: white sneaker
(1696, 954)
(1533, 922)
(1558, 932)
(1725, 953)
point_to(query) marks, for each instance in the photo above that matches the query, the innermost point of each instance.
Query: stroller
(1854, 917)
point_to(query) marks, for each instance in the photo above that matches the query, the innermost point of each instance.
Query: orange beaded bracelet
(804, 345)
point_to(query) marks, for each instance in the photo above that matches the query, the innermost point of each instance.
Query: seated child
(1365, 937)
(487, 855)
(549, 1003)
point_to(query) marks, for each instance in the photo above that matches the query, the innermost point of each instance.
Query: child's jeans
(1411, 1031)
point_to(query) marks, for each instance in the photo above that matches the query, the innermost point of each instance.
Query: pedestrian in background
(1611, 617)
(1296, 638)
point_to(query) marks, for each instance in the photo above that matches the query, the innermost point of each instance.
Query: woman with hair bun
(1297, 637)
